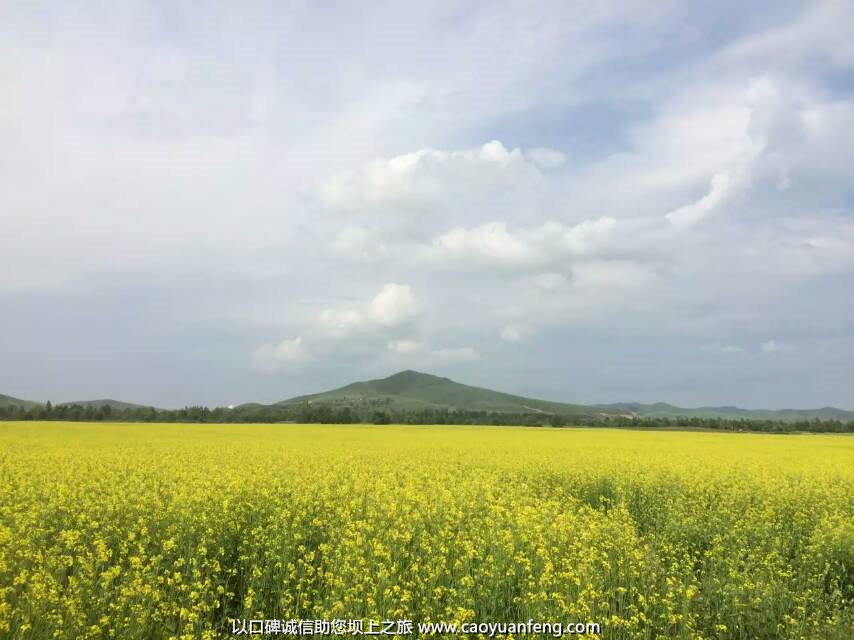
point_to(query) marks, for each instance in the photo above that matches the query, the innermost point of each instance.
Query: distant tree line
(381, 413)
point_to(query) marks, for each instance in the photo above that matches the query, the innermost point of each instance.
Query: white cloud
(404, 346)
(588, 237)
(549, 247)
(422, 354)
(609, 279)
(546, 158)
(489, 243)
(494, 244)
(430, 179)
(343, 321)
(690, 214)
(287, 354)
(726, 349)
(394, 305)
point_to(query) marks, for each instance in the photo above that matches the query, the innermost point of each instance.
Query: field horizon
(410, 391)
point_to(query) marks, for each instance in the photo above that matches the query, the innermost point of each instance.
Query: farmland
(171, 531)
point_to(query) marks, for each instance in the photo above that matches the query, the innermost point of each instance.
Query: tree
(381, 417)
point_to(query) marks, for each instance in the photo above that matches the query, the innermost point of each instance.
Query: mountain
(105, 402)
(9, 401)
(664, 410)
(411, 390)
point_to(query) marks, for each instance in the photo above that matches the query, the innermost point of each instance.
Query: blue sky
(215, 203)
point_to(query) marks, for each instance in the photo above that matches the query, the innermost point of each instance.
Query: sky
(215, 203)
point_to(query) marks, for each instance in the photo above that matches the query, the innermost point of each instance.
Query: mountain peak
(413, 390)
(411, 374)
(407, 379)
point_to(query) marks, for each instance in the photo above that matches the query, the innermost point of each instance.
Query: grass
(169, 531)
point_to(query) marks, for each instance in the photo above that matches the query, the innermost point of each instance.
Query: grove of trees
(378, 412)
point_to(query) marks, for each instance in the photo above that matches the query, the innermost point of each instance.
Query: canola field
(157, 531)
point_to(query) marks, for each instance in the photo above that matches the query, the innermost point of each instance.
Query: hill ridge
(412, 390)
(10, 401)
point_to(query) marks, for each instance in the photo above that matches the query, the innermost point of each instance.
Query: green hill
(664, 410)
(9, 401)
(105, 402)
(411, 390)
(414, 391)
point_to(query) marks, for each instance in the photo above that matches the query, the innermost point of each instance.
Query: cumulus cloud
(404, 346)
(344, 321)
(551, 247)
(289, 354)
(490, 243)
(434, 179)
(394, 305)
(423, 355)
